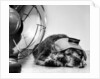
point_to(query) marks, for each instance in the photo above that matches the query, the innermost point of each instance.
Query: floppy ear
(84, 54)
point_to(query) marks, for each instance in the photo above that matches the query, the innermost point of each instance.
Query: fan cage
(24, 52)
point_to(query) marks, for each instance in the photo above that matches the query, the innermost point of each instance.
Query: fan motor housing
(14, 21)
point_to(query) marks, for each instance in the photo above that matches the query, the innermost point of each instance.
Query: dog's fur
(46, 54)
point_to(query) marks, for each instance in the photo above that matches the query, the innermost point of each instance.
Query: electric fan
(27, 25)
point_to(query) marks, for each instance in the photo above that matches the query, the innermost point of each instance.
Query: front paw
(40, 62)
(53, 63)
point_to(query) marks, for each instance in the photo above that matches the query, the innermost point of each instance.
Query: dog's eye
(68, 54)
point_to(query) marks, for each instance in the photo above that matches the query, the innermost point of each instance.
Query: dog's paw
(40, 62)
(53, 63)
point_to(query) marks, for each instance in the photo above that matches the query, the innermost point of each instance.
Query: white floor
(28, 66)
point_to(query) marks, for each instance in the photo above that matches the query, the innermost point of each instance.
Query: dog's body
(53, 54)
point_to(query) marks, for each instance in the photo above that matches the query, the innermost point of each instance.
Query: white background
(94, 44)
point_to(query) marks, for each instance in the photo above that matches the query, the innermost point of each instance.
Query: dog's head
(70, 54)
(75, 57)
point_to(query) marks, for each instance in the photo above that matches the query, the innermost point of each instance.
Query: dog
(59, 50)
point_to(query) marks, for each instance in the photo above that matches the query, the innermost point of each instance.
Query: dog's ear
(84, 55)
(81, 53)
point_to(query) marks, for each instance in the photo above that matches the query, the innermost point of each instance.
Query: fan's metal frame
(42, 15)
